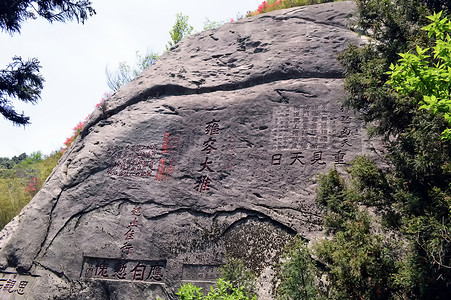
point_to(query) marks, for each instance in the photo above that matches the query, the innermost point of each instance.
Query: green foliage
(428, 77)
(126, 73)
(180, 29)
(358, 261)
(223, 290)
(21, 79)
(212, 24)
(297, 274)
(13, 13)
(20, 179)
(239, 276)
(411, 194)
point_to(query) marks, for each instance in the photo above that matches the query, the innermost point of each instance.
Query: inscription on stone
(212, 131)
(13, 285)
(312, 127)
(132, 160)
(308, 158)
(126, 270)
(131, 231)
(168, 150)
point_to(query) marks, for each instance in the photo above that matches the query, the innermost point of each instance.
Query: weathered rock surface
(209, 154)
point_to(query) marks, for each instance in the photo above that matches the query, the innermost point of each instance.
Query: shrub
(223, 290)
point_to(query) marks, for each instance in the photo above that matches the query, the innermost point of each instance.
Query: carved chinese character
(276, 159)
(345, 131)
(136, 211)
(161, 173)
(205, 165)
(129, 234)
(175, 142)
(297, 157)
(155, 273)
(208, 146)
(9, 285)
(345, 119)
(203, 183)
(317, 157)
(212, 127)
(165, 170)
(21, 289)
(2, 283)
(339, 157)
(345, 142)
(138, 271)
(165, 146)
(102, 269)
(89, 270)
(119, 270)
(133, 223)
(126, 248)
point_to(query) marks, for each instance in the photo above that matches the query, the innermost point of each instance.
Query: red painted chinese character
(119, 270)
(129, 234)
(126, 248)
(133, 224)
(136, 211)
(203, 183)
(155, 273)
(165, 170)
(161, 173)
(102, 269)
(138, 271)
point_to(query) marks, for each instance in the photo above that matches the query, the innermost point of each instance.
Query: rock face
(209, 154)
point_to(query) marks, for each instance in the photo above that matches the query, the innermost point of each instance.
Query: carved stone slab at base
(15, 286)
(211, 153)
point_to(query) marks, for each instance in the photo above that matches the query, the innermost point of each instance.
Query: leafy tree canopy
(428, 77)
(180, 29)
(125, 73)
(21, 79)
(14, 12)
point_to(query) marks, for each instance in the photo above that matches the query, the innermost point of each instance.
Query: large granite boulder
(209, 154)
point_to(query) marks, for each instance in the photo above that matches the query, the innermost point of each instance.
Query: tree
(297, 273)
(21, 79)
(180, 29)
(223, 290)
(411, 194)
(125, 73)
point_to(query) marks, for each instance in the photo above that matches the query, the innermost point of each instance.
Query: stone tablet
(211, 153)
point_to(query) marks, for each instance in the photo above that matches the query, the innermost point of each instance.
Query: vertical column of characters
(129, 235)
(211, 131)
(168, 152)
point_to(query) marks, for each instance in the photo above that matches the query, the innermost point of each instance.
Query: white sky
(74, 56)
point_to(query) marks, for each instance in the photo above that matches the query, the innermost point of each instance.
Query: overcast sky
(74, 56)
